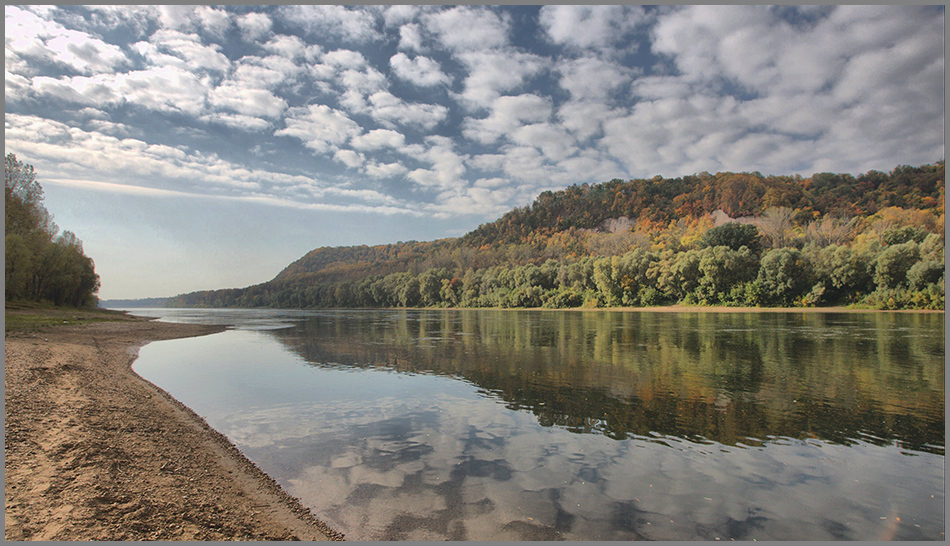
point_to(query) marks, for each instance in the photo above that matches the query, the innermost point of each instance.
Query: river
(580, 425)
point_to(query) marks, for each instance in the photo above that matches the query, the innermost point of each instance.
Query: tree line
(41, 265)
(893, 259)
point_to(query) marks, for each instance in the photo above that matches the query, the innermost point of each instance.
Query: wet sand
(94, 452)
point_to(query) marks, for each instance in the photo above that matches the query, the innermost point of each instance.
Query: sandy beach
(94, 452)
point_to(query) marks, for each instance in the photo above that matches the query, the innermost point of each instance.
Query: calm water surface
(533, 425)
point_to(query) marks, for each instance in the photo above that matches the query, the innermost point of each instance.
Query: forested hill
(791, 222)
(662, 200)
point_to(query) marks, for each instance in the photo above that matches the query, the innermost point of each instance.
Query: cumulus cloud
(584, 119)
(447, 167)
(319, 127)
(592, 78)
(293, 47)
(589, 26)
(399, 14)
(807, 96)
(349, 23)
(185, 51)
(254, 26)
(421, 71)
(492, 72)
(553, 140)
(390, 110)
(507, 114)
(478, 200)
(349, 158)
(28, 35)
(247, 100)
(237, 121)
(378, 139)
(466, 28)
(266, 72)
(410, 37)
(385, 170)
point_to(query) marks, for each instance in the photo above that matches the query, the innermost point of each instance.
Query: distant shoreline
(655, 309)
(683, 309)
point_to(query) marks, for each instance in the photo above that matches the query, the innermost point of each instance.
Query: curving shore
(95, 452)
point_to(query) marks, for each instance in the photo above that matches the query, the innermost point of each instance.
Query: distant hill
(613, 218)
(127, 304)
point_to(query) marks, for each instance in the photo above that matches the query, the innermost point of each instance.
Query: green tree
(734, 236)
(723, 269)
(894, 263)
(784, 275)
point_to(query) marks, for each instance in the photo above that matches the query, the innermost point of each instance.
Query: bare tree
(830, 230)
(776, 225)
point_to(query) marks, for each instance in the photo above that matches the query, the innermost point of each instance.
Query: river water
(587, 425)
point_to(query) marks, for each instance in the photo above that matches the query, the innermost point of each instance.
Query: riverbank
(662, 309)
(94, 452)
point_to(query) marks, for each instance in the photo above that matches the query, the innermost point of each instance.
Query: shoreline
(654, 309)
(96, 452)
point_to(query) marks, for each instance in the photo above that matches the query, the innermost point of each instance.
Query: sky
(200, 147)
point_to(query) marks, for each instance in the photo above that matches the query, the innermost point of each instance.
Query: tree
(894, 263)
(923, 273)
(38, 265)
(733, 235)
(830, 230)
(776, 225)
(783, 275)
(722, 269)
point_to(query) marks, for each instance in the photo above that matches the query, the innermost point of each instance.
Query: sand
(94, 452)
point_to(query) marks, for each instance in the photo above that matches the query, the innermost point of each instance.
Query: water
(534, 425)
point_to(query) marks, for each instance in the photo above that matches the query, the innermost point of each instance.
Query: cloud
(399, 14)
(164, 89)
(385, 170)
(507, 114)
(410, 37)
(378, 139)
(467, 28)
(349, 158)
(491, 73)
(293, 47)
(482, 201)
(591, 78)
(421, 71)
(266, 72)
(589, 26)
(319, 127)
(345, 58)
(351, 24)
(174, 48)
(237, 121)
(247, 100)
(254, 26)
(215, 21)
(27, 35)
(584, 119)
(553, 140)
(447, 167)
(176, 17)
(817, 90)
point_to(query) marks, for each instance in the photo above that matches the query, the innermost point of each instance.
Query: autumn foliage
(725, 239)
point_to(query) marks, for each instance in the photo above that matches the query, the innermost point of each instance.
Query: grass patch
(30, 316)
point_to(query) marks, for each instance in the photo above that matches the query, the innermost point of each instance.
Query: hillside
(648, 241)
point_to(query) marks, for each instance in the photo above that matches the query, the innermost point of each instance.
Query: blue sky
(207, 147)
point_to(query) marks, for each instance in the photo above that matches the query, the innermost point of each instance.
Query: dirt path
(94, 452)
